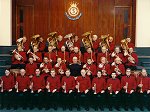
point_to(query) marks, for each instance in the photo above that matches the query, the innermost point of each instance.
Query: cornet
(110, 88)
(95, 89)
(141, 82)
(16, 86)
(31, 87)
(48, 86)
(126, 87)
(19, 56)
(65, 91)
(1, 85)
(34, 55)
(78, 87)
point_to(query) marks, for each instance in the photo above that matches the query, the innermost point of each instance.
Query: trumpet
(33, 54)
(126, 87)
(141, 82)
(65, 91)
(31, 87)
(16, 86)
(45, 69)
(19, 56)
(48, 86)
(78, 87)
(110, 88)
(95, 88)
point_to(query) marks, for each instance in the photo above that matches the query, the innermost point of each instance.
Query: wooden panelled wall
(100, 16)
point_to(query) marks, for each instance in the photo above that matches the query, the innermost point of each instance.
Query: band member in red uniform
(46, 66)
(37, 87)
(36, 55)
(117, 53)
(25, 45)
(68, 86)
(60, 67)
(111, 44)
(118, 67)
(61, 42)
(53, 87)
(77, 42)
(130, 44)
(98, 87)
(64, 55)
(104, 66)
(90, 68)
(83, 86)
(7, 86)
(104, 53)
(30, 68)
(113, 85)
(128, 85)
(76, 53)
(89, 54)
(41, 44)
(22, 88)
(75, 67)
(19, 58)
(95, 42)
(51, 55)
(131, 59)
(143, 88)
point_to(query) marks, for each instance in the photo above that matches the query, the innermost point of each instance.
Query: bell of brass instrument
(52, 39)
(35, 41)
(69, 42)
(105, 41)
(19, 42)
(124, 44)
(87, 40)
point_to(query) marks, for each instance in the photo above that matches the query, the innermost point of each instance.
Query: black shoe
(126, 108)
(132, 108)
(110, 109)
(70, 108)
(117, 108)
(96, 109)
(55, 108)
(141, 109)
(64, 108)
(101, 108)
(87, 108)
(78, 108)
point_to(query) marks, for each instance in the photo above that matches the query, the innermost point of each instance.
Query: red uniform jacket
(92, 68)
(78, 55)
(39, 54)
(145, 81)
(41, 46)
(8, 82)
(114, 83)
(121, 69)
(130, 81)
(62, 66)
(70, 83)
(23, 82)
(54, 83)
(120, 55)
(95, 45)
(100, 84)
(30, 69)
(105, 67)
(106, 55)
(60, 44)
(51, 55)
(46, 66)
(77, 44)
(64, 56)
(131, 45)
(26, 46)
(88, 55)
(22, 61)
(38, 83)
(84, 83)
(134, 55)
(112, 46)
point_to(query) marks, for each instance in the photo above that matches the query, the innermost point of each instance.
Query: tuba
(69, 43)
(87, 40)
(35, 41)
(105, 41)
(124, 44)
(52, 39)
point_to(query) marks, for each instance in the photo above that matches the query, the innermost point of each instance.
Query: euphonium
(35, 41)
(124, 44)
(52, 39)
(87, 40)
(19, 42)
(69, 42)
(105, 41)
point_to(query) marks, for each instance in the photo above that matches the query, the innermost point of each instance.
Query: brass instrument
(126, 87)
(31, 87)
(48, 86)
(19, 43)
(124, 44)
(95, 88)
(78, 86)
(17, 54)
(105, 41)
(35, 41)
(87, 40)
(16, 86)
(141, 82)
(110, 89)
(45, 69)
(65, 91)
(33, 55)
(69, 43)
(52, 39)
(2, 85)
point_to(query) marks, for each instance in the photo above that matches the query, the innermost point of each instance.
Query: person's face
(94, 37)
(128, 39)
(63, 48)
(22, 72)
(45, 60)
(50, 48)
(60, 38)
(35, 49)
(130, 50)
(24, 39)
(19, 48)
(31, 60)
(41, 39)
(67, 73)
(117, 49)
(83, 73)
(103, 60)
(117, 61)
(53, 73)
(103, 49)
(99, 74)
(113, 75)
(110, 39)
(76, 49)
(37, 72)
(76, 38)
(128, 72)
(89, 50)
(89, 61)
(144, 73)
(75, 60)
(7, 72)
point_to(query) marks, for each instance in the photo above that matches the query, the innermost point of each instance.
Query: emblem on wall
(73, 11)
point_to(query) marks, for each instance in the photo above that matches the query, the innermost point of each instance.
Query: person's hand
(54, 90)
(86, 91)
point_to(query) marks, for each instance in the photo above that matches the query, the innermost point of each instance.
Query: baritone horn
(52, 39)
(105, 41)
(69, 43)
(124, 44)
(87, 40)
(35, 40)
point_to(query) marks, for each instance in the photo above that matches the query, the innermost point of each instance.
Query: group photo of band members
(73, 72)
